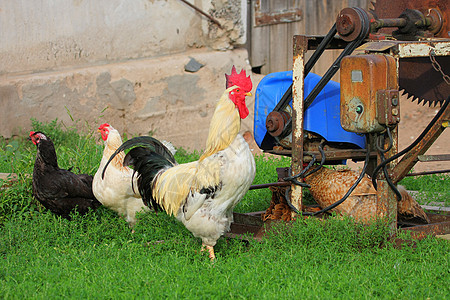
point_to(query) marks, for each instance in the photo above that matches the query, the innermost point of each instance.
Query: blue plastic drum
(321, 117)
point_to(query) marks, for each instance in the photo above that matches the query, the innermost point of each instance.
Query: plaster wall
(120, 62)
(148, 96)
(49, 35)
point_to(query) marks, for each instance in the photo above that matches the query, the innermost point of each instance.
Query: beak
(248, 94)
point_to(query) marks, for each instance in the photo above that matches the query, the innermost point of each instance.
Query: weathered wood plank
(436, 208)
(278, 48)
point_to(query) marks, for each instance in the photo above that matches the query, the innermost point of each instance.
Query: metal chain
(438, 68)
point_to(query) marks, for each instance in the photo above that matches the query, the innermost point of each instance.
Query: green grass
(97, 256)
(17, 155)
(431, 188)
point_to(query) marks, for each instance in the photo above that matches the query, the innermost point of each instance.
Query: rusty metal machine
(401, 47)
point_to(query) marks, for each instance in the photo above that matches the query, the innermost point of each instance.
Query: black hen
(59, 190)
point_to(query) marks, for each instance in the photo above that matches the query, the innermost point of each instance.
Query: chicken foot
(210, 249)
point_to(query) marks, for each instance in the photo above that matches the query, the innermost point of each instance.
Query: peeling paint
(297, 132)
(423, 49)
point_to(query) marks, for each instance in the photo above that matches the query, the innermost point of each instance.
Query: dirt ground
(414, 119)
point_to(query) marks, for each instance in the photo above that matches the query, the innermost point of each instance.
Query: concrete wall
(120, 62)
(48, 35)
(138, 97)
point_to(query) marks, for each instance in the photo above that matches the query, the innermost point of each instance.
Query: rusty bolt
(394, 111)
(346, 26)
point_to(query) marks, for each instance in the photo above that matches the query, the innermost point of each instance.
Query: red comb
(31, 133)
(239, 79)
(103, 126)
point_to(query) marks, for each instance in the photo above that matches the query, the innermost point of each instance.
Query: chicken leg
(210, 249)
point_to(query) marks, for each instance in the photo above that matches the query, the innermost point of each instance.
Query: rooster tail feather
(152, 144)
(147, 157)
(147, 164)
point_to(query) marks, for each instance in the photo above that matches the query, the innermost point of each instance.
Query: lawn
(97, 256)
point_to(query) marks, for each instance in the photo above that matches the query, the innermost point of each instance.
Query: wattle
(243, 110)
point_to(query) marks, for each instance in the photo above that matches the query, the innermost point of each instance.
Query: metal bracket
(388, 108)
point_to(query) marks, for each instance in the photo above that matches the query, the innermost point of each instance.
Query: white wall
(41, 35)
(118, 61)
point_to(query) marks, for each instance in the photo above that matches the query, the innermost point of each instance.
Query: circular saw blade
(420, 80)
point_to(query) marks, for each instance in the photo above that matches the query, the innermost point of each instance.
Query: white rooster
(203, 193)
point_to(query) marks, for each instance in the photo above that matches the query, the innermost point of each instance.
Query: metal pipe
(381, 23)
(428, 173)
(203, 13)
(266, 185)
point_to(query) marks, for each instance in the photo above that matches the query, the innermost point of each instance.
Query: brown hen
(329, 186)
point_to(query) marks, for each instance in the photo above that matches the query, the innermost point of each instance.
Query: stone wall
(121, 62)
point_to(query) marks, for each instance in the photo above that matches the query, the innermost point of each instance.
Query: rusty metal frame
(412, 157)
(250, 226)
(298, 74)
(387, 202)
(440, 224)
(400, 50)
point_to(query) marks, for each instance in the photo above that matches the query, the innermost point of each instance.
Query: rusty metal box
(368, 81)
